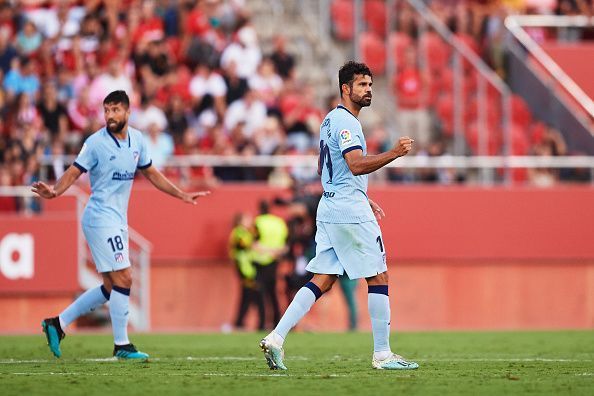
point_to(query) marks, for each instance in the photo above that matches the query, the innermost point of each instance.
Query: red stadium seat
(520, 143)
(436, 50)
(374, 12)
(445, 113)
(342, 13)
(493, 139)
(520, 113)
(537, 132)
(373, 51)
(471, 43)
(446, 82)
(398, 43)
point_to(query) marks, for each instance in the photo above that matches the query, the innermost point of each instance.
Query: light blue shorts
(109, 247)
(357, 249)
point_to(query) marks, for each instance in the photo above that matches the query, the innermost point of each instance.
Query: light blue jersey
(111, 164)
(345, 195)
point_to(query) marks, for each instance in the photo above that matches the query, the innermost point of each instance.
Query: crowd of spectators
(196, 74)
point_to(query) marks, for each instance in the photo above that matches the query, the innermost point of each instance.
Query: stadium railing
(551, 93)
(486, 163)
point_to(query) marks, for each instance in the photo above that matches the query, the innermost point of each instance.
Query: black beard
(119, 127)
(361, 101)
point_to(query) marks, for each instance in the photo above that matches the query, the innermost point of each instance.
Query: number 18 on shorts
(109, 247)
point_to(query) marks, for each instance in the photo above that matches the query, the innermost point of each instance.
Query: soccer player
(348, 237)
(111, 156)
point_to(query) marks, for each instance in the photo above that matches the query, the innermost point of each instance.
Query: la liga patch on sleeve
(345, 137)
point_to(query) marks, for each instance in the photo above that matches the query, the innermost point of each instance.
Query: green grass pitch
(473, 363)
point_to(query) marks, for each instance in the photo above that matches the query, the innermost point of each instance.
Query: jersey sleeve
(87, 158)
(144, 158)
(348, 137)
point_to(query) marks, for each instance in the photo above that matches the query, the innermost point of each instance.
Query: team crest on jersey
(135, 154)
(119, 257)
(345, 136)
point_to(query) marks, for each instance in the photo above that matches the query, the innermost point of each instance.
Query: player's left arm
(378, 212)
(164, 184)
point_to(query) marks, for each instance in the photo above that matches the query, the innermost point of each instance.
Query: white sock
(301, 304)
(379, 312)
(118, 310)
(84, 304)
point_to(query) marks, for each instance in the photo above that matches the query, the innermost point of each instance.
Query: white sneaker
(393, 362)
(273, 353)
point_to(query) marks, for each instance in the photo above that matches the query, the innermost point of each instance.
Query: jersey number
(326, 160)
(116, 243)
(379, 242)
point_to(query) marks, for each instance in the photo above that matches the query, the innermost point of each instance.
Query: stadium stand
(187, 65)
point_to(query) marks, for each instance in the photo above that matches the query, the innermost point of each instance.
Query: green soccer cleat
(54, 334)
(393, 362)
(128, 352)
(273, 353)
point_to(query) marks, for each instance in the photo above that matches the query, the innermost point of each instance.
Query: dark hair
(117, 97)
(264, 207)
(346, 74)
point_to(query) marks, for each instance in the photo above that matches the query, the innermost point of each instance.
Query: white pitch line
(513, 360)
(113, 359)
(74, 374)
(293, 358)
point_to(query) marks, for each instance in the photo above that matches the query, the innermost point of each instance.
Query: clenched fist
(403, 146)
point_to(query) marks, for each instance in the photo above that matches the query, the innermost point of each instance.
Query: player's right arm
(68, 178)
(360, 164)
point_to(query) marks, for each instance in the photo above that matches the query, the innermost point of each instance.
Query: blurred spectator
(208, 90)
(266, 83)
(284, 62)
(177, 118)
(243, 52)
(236, 86)
(551, 144)
(250, 110)
(111, 80)
(8, 19)
(153, 65)
(270, 139)
(148, 114)
(240, 250)
(269, 247)
(150, 27)
(53, 114)
(7, 51)
(28, 39)
(160, 145)
(23, 112)
(82, 113)
(411, 90)
(301, 117)
(21, 78)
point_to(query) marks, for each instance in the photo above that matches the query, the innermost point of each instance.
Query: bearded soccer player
(348, 238)
(111, 156)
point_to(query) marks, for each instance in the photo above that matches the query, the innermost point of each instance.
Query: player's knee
(122, 278)
(326, 286)
(324, 282)
(379, 279)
